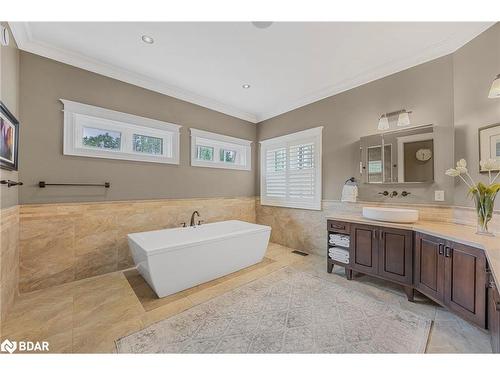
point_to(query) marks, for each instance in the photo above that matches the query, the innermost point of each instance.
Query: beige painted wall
(44, 81)
(475, 65)
(426, 89)
(9, 94)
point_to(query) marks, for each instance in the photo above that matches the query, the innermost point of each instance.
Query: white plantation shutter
(276, 172)
(291, 170)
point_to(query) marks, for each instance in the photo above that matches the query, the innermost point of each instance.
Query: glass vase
(484, 209)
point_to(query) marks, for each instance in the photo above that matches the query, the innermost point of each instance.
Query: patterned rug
(285, 312)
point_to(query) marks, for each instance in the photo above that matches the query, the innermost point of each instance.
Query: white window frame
(219, 142)
(286, 141)
(78, 116)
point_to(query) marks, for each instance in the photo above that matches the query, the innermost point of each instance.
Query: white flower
(452, 172)
(461, 163)
(462, 170)
(489, 165)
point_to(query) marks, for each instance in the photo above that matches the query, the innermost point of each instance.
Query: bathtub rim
(161, 250)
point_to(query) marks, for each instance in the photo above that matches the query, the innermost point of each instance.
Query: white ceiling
(287, 65)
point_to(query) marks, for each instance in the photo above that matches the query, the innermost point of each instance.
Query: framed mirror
(401, 156)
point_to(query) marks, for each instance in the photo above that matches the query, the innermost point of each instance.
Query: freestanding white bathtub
(171, 260)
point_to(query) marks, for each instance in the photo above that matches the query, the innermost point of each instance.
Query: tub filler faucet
(192, 224)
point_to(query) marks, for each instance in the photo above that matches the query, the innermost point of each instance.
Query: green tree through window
(103, 140)
(205, 153)
(147, 144)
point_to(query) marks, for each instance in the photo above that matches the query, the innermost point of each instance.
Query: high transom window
(219, 151)
(102, 133)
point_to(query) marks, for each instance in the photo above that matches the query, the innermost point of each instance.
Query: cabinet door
(364, 241)
(429, 270)
(395, 255)
(494, 316)
(465, 282)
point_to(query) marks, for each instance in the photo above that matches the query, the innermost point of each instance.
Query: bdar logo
(8, 346)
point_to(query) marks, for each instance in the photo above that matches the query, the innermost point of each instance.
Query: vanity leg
(348, 274)
(329, 267)
(410, 293)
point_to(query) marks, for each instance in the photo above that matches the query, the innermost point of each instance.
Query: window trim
(285, 141)
(220, 141)
(75, 115)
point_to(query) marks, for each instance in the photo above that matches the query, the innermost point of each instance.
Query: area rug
(287, 311)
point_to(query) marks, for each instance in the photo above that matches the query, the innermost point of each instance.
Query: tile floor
(87, 316)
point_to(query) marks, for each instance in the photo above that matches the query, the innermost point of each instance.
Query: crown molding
(437, 50)
(26, 42)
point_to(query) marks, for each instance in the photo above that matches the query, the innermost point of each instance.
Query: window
(100, 138)
(102, 133)
(205, 153)
(219, 151)
(291, 170)
(228, 156)
(147, 144)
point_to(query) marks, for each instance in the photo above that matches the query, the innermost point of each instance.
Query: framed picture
(9, 139)
(489, 143)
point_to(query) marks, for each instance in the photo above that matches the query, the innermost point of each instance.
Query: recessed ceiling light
(246, 86)
(262, 24)
(147, 39)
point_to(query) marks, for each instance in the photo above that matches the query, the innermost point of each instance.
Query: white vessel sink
(394, 215)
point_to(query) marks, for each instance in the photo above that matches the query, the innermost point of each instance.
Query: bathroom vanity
(452, 273)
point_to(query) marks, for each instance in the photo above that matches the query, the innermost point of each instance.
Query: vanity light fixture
(383, 123)
(403, 119)
(147, 39)
(246, 86)
(495, 88)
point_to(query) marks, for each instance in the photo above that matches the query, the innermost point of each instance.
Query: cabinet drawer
(338, 226)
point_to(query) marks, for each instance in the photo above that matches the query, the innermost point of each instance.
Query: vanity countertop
(454, 232)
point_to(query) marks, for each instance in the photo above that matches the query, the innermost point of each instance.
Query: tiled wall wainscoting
(60, 243)
(305, 229)
(9, 258)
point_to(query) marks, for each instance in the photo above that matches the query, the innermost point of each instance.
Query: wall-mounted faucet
(192, 223)
(394, 193)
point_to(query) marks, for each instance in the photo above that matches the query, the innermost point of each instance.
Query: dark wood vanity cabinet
(494, 315)
(384, 252)
(453, 275)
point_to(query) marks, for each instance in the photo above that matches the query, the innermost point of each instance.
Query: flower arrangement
(483, 195)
